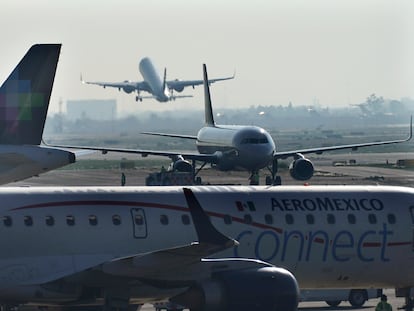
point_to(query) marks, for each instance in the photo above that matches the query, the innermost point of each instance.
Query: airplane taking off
(229, 147)
(125, 246)
(24, 101)
(161, 89)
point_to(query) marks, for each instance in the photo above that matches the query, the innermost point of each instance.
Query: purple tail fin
(25, 95)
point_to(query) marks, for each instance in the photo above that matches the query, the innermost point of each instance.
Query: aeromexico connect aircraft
(229, 147)
(24, 101)
(160, 89)
(206, 247)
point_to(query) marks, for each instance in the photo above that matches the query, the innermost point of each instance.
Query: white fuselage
(150, 75)
(333, 237)
(247, 147)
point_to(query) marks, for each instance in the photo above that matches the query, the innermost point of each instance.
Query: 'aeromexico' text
(327, 204)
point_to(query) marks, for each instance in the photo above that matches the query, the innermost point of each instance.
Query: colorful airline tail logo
(24, 96)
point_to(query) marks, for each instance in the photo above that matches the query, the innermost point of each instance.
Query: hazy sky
(333, 52)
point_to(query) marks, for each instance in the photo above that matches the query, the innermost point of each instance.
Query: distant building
(92, 109)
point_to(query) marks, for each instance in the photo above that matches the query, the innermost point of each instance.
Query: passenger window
(185, 219)
(247, 219)
(289, 219)
(268, 219)
(391, 219)
(28, 221)
(310, 219)
(50, 221)
(351, 219)
(330, 218)
(7, 221)
(164, 219)
(116, 220)
(372, 218)
(93, 220)
(139, 220)
(227, 219)
(70, 220)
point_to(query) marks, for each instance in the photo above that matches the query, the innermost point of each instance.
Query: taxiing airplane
(161, 89)
(24, 101)
(205, 248)
(248, 147)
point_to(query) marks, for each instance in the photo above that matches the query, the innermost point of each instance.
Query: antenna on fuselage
(208, 110)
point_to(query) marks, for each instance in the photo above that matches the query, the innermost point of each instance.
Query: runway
(325, 173)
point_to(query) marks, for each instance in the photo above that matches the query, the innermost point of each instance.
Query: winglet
(411, 128)
(25, 95)
(206, 232)
(208, 109)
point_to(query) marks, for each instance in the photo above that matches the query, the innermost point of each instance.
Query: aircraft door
(139, 223)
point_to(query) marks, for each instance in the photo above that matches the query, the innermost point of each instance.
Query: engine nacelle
(128, 89)
(301, 169)
(267, 288)
(178, 88)
(180, 165)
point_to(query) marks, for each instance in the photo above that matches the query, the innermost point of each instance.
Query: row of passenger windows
(185, 219)
(70, 220)
(311, 219)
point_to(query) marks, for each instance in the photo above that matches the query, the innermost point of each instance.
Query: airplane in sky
(24, 101)
(237, 146)
(160, 89)
(206, 248)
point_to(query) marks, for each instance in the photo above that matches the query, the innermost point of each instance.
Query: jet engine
(267, 288)
(128, 88)
(178, 88)
(179, 164)
(301, 168)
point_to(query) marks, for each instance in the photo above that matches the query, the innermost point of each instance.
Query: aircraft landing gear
(254, 178)
(275, 179)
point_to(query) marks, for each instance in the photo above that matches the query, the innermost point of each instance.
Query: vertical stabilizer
(208, 110)
(25, 95)
(164, 81)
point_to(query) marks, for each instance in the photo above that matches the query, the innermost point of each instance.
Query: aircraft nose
(256, 156)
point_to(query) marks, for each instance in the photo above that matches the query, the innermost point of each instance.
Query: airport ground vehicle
(333, 297)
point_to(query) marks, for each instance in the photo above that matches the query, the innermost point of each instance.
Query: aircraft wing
(179, 84)
(209, 158)
(171, 135)
(127, 86)
(319, 150)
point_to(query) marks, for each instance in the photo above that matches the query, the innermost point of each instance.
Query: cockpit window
(254, 141)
